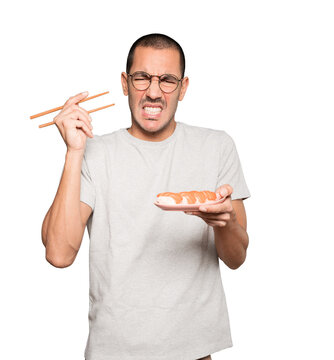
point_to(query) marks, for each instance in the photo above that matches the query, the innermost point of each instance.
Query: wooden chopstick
(90, 111)
(60, 107)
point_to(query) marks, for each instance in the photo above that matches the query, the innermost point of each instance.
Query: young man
(155, 285)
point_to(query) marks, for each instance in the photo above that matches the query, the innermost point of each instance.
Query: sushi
(187, 197)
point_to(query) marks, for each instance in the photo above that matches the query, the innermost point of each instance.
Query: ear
(124, 80)
(184, 86)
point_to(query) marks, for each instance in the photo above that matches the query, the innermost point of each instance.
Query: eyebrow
(165, 73)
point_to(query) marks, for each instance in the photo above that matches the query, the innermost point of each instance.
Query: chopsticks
(60, 107)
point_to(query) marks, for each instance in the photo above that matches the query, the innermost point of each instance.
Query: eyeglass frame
(158, 76)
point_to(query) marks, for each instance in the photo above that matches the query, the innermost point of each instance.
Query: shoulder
(215, 136)
(92, 145)
(96, 144)
(110, 137)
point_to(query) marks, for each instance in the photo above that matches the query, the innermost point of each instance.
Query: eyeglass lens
(142, 80)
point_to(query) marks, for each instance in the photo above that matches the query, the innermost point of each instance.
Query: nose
(154, 90)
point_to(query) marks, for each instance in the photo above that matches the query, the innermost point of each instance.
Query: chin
(152, 125)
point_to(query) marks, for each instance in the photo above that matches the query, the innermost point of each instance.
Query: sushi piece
(187, 197)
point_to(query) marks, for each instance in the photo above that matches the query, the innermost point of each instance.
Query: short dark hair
(156, 41)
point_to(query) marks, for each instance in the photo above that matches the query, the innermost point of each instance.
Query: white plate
(187, 207)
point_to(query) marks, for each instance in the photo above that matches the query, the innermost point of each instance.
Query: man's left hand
(218, 214)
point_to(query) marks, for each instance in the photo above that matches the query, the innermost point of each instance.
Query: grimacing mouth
(152, 106)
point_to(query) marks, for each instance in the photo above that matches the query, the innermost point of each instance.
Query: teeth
(152, 110)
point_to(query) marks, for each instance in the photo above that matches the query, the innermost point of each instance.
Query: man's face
(154, 62)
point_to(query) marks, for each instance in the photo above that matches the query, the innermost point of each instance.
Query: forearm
(45, 226)
(231, 242)
(63, 226)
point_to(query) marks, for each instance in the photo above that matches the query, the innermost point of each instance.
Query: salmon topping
(191, 196)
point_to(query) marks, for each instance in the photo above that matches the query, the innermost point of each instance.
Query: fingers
(224, 190)
(82, 125)
(220, 221)
(74, 122)
(76, 98)
(217, 209)
(216, 223)
(82, 114)
(210, 217)
(71, 109)
(74, 113)
(77, 113)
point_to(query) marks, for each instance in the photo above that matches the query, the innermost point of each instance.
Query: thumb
(224, 190)
(76, 98)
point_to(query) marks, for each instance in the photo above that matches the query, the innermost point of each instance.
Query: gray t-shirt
(155, 287)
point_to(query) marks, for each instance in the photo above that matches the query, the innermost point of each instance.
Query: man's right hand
(74, 123)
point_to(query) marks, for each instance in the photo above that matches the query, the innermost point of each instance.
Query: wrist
(231, 226)
(233, 222)
(75, 152)
(74, 155)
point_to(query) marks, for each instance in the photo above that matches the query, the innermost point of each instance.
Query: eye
(168, 79)
(140, 76)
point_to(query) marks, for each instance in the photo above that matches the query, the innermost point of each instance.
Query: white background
(260, 70)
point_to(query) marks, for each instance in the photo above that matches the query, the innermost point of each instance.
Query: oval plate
(186, 207)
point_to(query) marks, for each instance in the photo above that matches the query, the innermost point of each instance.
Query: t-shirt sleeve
(230, 170)
(87, 189)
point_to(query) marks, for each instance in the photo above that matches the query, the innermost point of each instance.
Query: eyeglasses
(142, 81)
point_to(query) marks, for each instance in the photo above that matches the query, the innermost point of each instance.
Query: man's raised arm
(64, 224)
